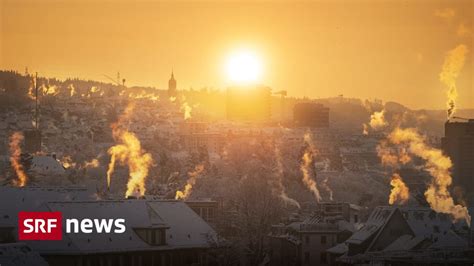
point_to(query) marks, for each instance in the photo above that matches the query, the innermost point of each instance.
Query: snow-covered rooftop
(14, 199)
(46, 165)
(376, 220)
(428, 223)
(424, 222)
(405, 242)
(183, 227)
(19, 254)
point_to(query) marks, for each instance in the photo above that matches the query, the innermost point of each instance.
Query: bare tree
(255, 210)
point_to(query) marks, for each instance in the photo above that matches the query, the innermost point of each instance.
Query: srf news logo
(40, 226)
(48, 226)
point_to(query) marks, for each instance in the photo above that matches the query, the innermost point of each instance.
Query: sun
(244, 67)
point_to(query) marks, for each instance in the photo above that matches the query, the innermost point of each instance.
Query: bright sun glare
(244, 66)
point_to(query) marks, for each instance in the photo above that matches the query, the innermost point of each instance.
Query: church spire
(172, 85)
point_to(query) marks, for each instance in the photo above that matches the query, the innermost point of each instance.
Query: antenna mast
(36, 101)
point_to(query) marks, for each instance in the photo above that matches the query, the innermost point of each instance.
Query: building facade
(306, 242)
(458, 144)
(312, 115)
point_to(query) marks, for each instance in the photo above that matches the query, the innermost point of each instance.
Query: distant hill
(345, 113)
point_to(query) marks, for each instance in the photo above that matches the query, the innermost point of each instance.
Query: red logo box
(40, 226)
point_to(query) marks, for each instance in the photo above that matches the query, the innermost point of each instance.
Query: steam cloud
(377, 120)
(305, 168)
(278, 185)
(437, 165)
(94, 163)
(399, 193)
(452, 66)
(365, 130)
(15, 156)
(67, 162)
(193, 176)
(391, 157)
(129, 152)
(186, 108)
(72, 90)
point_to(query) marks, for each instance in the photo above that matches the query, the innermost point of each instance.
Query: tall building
(172, 86)
(249, 103)
(311, 115)
(458, 144)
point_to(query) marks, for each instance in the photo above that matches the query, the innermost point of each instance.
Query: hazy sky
(391, 50)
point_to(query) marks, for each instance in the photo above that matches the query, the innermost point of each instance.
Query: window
(160, 237)
(323, 239)
(323, 257)
(356, 218)
(154, 237)
(307, 239)
(306, 258)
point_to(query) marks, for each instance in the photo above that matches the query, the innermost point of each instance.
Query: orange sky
(391, 50)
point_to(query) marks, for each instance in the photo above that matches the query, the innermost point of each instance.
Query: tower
(172, 86)
(458, 144)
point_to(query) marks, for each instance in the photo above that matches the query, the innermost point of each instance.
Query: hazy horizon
(392, 51)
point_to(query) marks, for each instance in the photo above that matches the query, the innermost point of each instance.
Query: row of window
(155, 236)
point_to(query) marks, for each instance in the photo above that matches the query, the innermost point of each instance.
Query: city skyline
(390, 51)
(236, 133)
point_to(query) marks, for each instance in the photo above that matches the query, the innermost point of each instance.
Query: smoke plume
(130, 152)
(278, 187)
(452, 66)
(326, 187)
(365, 130)
(392, 156)
(67, 162)
(110, 169)
(31, 89)
(399, 193)
(72, 90)
(438, 166)
(49, 90)
(94, 163)
(377, 120)
(386, 154)
(193, 176)
(15, 158)
(186, 108)
(305, 167)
